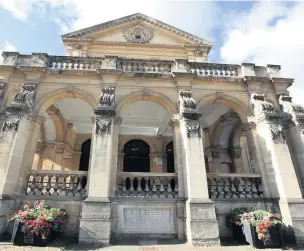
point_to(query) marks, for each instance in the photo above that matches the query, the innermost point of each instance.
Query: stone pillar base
(202, 225)
(95, 222)
(7, 207)
(296, 211)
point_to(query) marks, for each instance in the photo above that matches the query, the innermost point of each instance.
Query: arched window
(170, 158)
(85, 156)
(136, 158)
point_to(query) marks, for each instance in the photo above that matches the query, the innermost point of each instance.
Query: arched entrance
(170, 158)
(136, 158)
(85, 156)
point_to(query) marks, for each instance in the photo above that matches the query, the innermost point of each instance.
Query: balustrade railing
(56, 183)
(144, 66)
(75, 63)
(147, 185)
(225, 186)
(209, 69)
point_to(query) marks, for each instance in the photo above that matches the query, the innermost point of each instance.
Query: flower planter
(237, 233)
(23, 237)
(272, 240)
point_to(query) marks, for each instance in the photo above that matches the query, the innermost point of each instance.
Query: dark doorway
(136, 157)
(85, 156)
(170, 158)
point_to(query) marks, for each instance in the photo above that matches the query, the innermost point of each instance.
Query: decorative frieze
(261, 108)
(138, 34)
(277, 134)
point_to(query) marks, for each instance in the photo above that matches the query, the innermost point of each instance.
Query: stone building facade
(135, 134)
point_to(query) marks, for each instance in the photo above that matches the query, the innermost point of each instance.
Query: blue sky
(262, 32)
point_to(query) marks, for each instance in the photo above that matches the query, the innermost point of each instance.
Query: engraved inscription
(147, 220)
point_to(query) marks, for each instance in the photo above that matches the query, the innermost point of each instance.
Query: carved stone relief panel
(138, 34)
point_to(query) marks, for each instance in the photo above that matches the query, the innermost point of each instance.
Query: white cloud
(7, 47)
(19, 8)
(269, 33)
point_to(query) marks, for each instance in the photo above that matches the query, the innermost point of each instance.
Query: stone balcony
(138, 67)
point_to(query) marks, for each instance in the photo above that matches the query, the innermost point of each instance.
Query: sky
(260, 32)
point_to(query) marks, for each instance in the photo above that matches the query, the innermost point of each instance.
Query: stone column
(120, 161)
(16, 149)
(95, 222)
(237, 161)
(201, 223)
(278, 164)
(293, 115)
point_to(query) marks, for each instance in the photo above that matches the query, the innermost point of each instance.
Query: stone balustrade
(140, 67)
(56, 183)
(74, 63)
(147, 185)
(144, 66)
(216, 70)
(234, 185)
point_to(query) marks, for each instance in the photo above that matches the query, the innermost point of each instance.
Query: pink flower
(26, 206)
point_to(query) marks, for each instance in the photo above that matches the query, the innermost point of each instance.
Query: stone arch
(58, 122)
(242, 109)
(236, 137)
(151, 96)
(152, 146)
(79, 143)
(68, 92)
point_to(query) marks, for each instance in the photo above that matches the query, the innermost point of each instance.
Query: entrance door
(136, 157)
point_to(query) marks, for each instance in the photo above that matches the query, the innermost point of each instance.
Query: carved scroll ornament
(11, 123)
(103, 124)
(193, 128)
(277, 134)
(289, 107)
(261, 107)
(26, 97)
(2, 90)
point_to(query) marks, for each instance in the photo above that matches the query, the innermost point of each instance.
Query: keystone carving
(107, 98)
(287, 106)
(106, 110)
(26, 97)
(187, 105)
(261, 107)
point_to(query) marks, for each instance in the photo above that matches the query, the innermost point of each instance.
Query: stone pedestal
(202, 225)
(95, 223)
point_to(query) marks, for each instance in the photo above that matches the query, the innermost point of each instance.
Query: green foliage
(235, 216)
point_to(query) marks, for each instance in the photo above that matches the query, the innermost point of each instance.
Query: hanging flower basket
(37, 225)
(262, 229)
